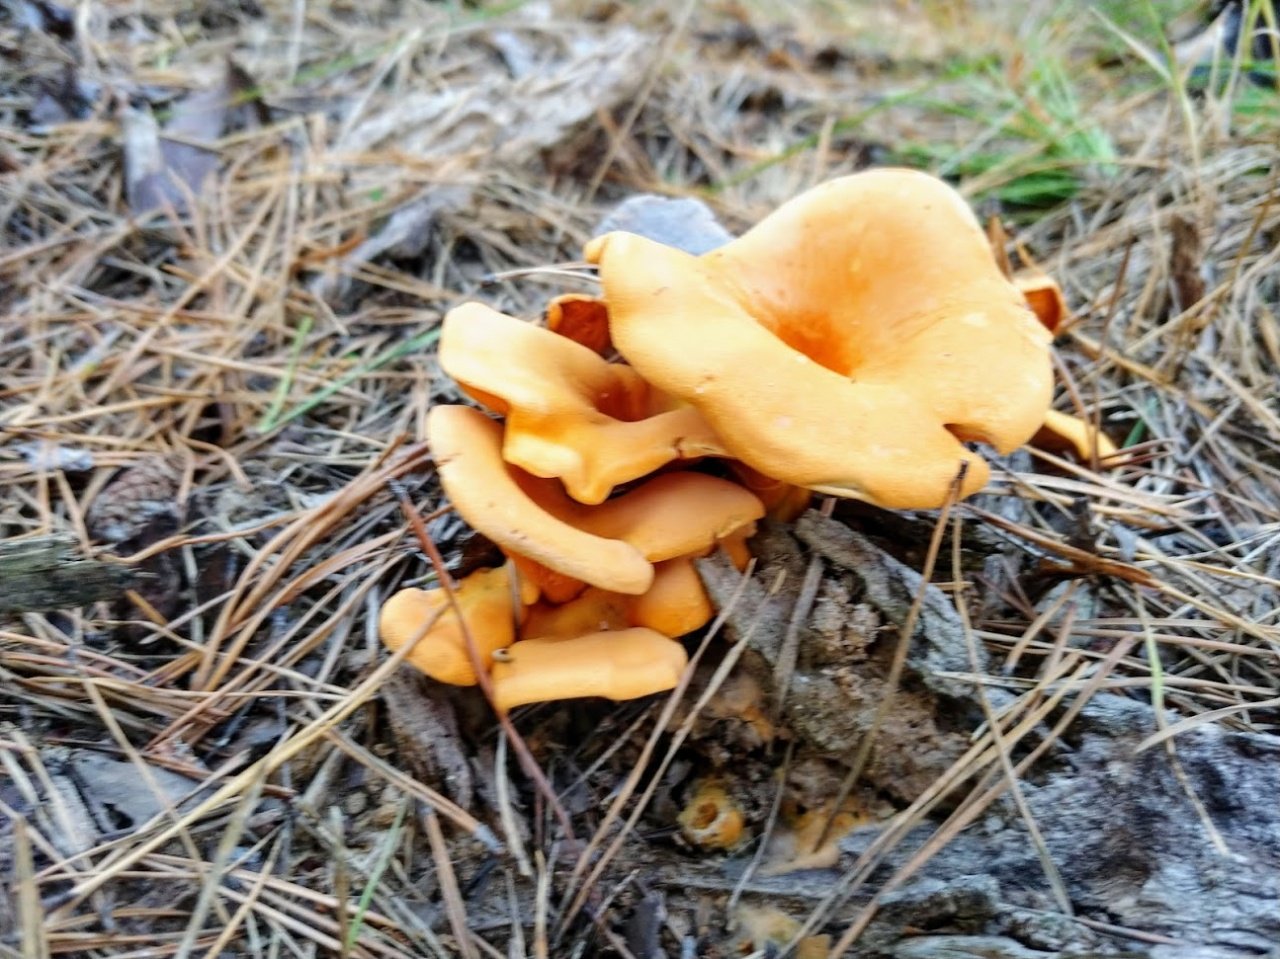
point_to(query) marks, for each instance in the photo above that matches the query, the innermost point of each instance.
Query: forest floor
(230, 232)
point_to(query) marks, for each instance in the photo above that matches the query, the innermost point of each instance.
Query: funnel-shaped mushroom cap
(467, 447)
(848, 343)
(570, 414)
(427, 619)
(1044, 297)
(622, 664)
(612, 545)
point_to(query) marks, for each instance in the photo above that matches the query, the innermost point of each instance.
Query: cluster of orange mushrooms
(852, 343)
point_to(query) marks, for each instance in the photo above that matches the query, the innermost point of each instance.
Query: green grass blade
(421, 341)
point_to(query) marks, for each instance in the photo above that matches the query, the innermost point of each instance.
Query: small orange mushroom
(764, 929)
(619, 664)
(594, 610)
(570, 414)
(1045, 298)
(850, 343)
(712, 819)
(811, 839)
(675, 605)
(427, 619)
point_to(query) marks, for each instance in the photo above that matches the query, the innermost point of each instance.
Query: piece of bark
(1128, 843)
(845, 644)
(426, 732)
(45, 573)
(938, 646)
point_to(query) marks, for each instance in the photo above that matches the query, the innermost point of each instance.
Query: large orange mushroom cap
(570, 414)
(850, 343)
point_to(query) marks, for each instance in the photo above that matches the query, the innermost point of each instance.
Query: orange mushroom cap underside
(583, 319)
(849, 343)
(622, 664)
(1045, 298)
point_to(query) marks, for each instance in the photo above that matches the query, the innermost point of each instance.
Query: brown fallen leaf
(1186, 263)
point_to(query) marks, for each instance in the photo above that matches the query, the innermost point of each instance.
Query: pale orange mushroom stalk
(850, 343)
(570, 414)
(1062, 431)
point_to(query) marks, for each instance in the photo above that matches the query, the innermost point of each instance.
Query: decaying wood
(1143, 867)
(842, 665)
(46, 573)
(1129, 844)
